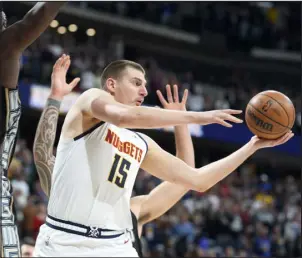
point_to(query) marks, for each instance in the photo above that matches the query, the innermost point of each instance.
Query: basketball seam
(279, 104)
(268, 117)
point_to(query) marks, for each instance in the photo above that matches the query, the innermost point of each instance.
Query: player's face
(130, 87)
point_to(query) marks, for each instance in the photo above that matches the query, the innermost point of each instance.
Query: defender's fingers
(175, 93)
(185, 96)
(161, 98)
(169, 93)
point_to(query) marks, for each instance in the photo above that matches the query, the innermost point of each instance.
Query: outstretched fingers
(175, 93)
(161, 98)
(185, 96)
(231, 118)
(169, 93)
(232, 111)
(222, 122)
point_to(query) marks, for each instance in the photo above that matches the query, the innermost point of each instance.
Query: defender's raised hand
(173, 99)
(59, 86)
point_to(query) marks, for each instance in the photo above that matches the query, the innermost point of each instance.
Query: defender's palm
(59, 86)
(173, 99)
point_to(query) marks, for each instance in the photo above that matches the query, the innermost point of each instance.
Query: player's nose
(143, 92)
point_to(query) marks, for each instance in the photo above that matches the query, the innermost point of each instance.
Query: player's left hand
(173, 99)
(258, 143)
(59, 86)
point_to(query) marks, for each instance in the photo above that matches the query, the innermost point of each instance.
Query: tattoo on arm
(44, 142)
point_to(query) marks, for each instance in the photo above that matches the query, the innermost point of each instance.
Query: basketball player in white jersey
(98, 159)
(151, 206)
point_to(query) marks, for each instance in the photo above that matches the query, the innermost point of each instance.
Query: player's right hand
(59, 86)
(219, 117)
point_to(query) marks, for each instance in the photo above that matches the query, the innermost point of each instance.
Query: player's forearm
(213, 173)
(149, 117)
(43, 13)
(36, 21)
(44, 142)
(167, 167)
(184, 145)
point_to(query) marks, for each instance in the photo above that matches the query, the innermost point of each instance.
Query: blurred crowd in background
(253, 212)
(245, 25)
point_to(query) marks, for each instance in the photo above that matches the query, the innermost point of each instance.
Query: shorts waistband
(82, 230)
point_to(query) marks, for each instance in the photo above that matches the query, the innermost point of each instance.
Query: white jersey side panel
(94, 176)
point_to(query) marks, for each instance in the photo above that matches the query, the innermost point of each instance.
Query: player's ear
(111, 85)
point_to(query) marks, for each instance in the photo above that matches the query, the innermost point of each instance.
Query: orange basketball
(270, 114)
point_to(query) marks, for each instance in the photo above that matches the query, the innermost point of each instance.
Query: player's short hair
(115, 69)
(3, 21)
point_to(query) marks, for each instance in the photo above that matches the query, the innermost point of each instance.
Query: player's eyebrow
(142, 81)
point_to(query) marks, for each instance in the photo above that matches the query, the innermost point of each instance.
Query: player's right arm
(169, 168)
(101, 105)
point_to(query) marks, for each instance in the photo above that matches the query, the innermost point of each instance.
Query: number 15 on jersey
(119, 171)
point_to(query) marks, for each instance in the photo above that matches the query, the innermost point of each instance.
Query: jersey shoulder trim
(142, 139)
(88, 131)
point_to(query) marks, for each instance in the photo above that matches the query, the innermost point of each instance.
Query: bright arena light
(62, 30)
(54, 24)
(90, 32)
(72, 28)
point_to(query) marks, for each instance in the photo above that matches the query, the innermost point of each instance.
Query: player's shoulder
(92, 92)
(88, 96)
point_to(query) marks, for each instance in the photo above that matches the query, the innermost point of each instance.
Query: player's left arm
(166, 195)
(47, 127)
(24, 32)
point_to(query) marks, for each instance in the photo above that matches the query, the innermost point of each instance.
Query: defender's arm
(23, 33)
(166, 195)
(44, 142)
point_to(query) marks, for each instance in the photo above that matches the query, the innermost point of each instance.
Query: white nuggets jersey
(94, 175)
